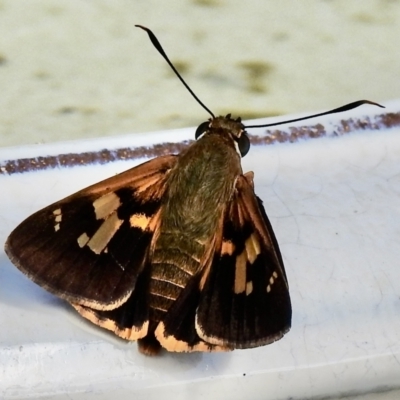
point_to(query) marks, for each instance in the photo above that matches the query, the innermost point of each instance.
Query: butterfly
(176, 253)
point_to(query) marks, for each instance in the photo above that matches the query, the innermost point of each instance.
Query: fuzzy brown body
(199, 187)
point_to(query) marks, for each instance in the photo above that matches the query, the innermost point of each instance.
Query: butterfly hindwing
(130, 320)
(90, 247)
(245, 299)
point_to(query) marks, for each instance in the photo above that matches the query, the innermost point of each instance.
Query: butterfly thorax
(199, 187)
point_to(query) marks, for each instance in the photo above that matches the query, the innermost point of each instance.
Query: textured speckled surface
(73, 69)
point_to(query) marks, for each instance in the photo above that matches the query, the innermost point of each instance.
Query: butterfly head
(227, 126)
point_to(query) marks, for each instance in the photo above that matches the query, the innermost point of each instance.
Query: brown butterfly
(177, 252)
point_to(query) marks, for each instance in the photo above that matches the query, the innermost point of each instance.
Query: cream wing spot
(240, 273)
(272, 279)
(227, 248)
(106, 205)
(139, 221)
(253, 249)
(83, 239)
(249, 288)
(104, 234)
(58, 217)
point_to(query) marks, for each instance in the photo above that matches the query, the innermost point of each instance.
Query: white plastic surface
(334, 204)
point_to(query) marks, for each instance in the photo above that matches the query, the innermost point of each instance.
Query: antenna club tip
(142, 27)
(375, 104)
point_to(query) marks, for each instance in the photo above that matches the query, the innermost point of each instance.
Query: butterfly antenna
(157, 45)
(346, 107)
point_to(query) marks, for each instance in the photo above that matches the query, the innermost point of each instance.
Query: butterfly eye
(202, 128)
(244, 144)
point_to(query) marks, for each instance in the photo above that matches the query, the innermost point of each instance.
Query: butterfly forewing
(90, 247)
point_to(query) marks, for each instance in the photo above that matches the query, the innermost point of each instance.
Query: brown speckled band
(291, 134)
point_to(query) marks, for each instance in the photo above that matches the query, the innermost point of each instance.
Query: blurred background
(78, 68)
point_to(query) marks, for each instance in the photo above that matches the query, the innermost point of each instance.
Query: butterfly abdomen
(175, 260)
